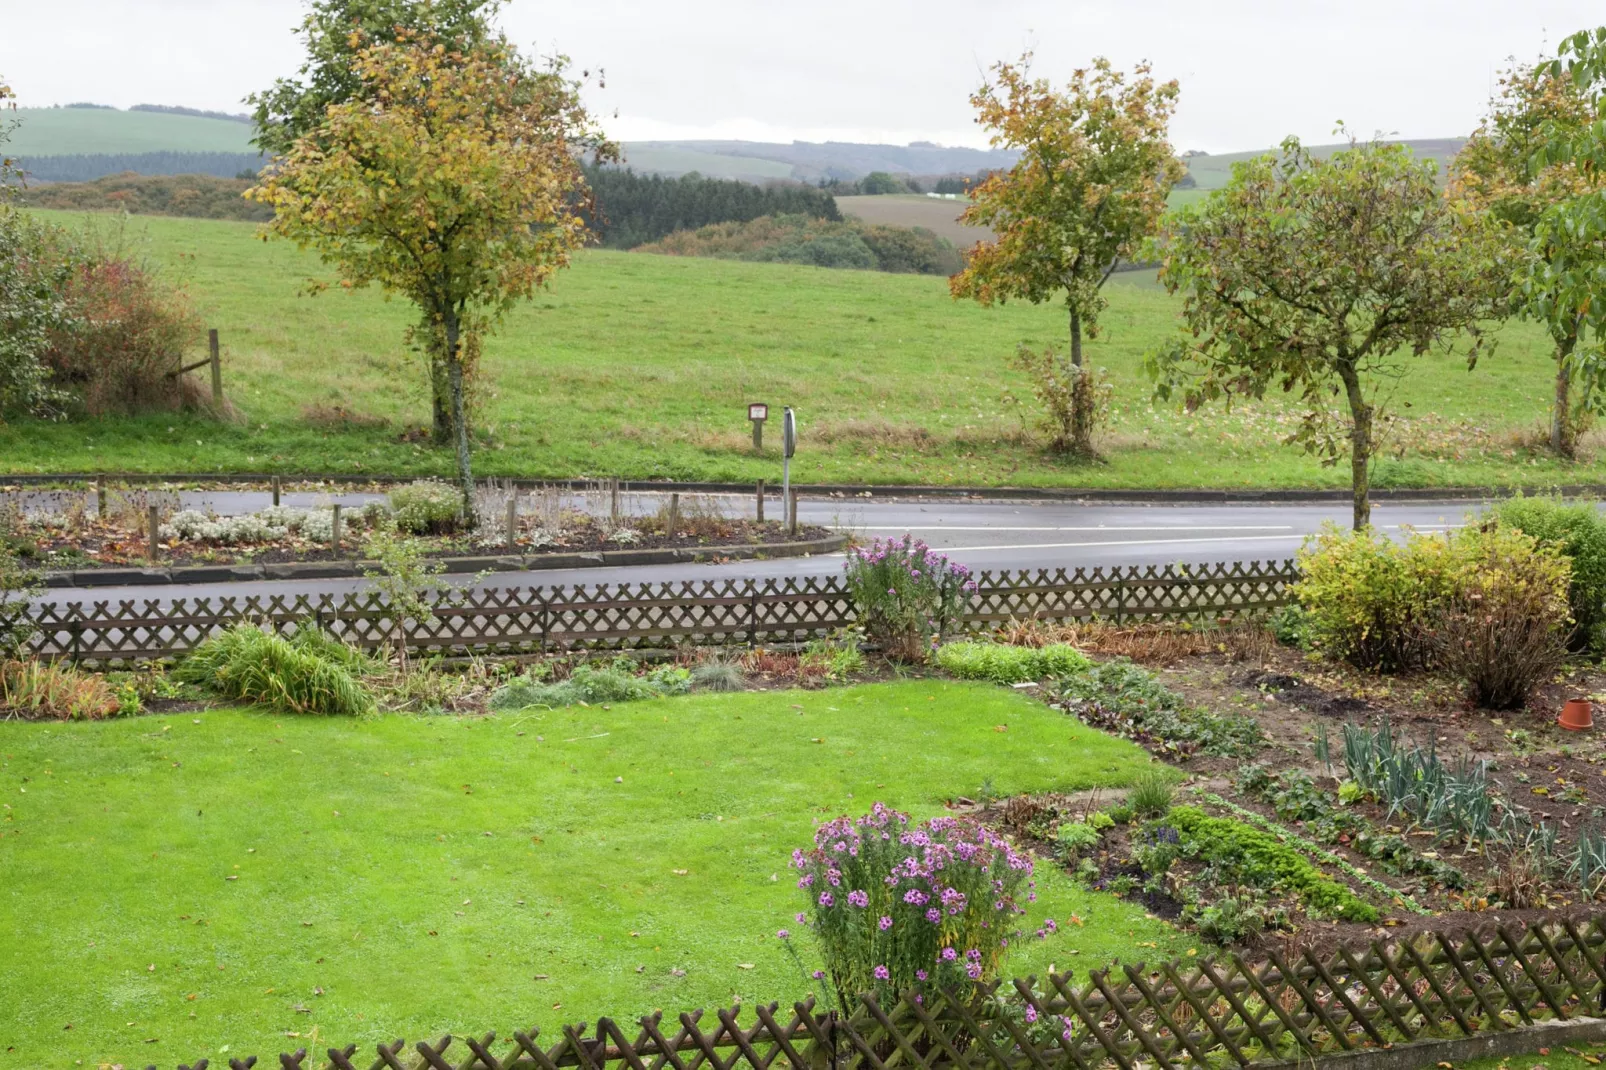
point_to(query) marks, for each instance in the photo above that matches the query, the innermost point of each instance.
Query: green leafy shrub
(592, 684)
(306, 673)
(1005, 664)
(1290, 625)
(834, 657)
(1074, 837)
(1243, 855)
(1118, 696)
(427, 507)
(1151, 795)
(1370, 600)
(1578, 532)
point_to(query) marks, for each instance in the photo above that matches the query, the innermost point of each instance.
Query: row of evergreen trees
(633, 209)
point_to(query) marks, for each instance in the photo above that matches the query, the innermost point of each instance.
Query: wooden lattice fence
(1209, 1013)
(509, 620)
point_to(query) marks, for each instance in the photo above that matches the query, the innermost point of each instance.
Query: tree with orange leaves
(1089, 187)
(452, 179)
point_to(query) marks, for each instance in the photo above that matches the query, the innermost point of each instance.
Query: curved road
(988, 535)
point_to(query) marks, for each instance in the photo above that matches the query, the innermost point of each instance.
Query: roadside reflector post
(276, 486)
(217, 366)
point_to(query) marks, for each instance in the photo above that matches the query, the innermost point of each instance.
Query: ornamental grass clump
(309, 672)
(906, 594)
(896, 906)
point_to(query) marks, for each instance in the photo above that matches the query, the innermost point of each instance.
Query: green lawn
(641, 366)
(172, 884)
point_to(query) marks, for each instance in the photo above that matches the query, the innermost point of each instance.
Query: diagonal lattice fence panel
(1215, 1013)
(513, 620)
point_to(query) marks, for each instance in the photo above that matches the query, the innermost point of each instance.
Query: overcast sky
(1252, 71)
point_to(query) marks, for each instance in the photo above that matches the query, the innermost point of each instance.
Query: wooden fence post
(154, 520)
(674, 515)
(613, 508)
(760, 514)
(217, 367)
(334, 529)
(512, 522)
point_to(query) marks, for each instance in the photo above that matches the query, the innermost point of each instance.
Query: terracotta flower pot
(1577, 715)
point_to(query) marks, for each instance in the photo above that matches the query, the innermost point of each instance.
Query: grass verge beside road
(641, 366)
(171, 884)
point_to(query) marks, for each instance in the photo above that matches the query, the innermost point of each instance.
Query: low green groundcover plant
(1003, 663)
(1120, 697)
(895, 907)
(1242, 855)
(592, 684)
(310, 672)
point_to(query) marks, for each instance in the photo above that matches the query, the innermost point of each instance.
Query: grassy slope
(74, 131)
(421, 871)
(641, 366)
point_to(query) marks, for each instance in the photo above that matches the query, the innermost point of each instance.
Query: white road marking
(1118, 542)
(1104, 527)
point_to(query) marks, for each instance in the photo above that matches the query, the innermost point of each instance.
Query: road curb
(327, 570)
(887, 490)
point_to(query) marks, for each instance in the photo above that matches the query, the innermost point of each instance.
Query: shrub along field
(641, 366)
(180, 882)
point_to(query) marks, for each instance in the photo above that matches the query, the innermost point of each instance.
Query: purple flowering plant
(906, 594)
(933, 904)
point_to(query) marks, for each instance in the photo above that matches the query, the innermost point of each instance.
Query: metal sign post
(788, 447)
(758, 412)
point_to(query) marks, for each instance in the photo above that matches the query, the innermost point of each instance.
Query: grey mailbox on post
(758, 412)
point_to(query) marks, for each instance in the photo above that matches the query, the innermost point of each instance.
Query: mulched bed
(103, 547)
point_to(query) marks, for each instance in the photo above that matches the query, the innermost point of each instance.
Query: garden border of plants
(1380, 1006)
(885, 490)
(354, 568)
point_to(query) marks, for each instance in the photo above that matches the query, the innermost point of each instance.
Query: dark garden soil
(101, 546)
(1558, 777)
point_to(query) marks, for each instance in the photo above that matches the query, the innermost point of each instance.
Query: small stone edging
(1421, 1054)
(355, 569)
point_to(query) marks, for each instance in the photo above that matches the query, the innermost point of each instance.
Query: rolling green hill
(104, 131)
(1212, 172)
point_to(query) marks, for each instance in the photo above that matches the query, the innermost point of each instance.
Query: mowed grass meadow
(641, 366)
(174, 884)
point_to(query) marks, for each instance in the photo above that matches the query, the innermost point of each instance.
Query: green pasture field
(642, 366)
(93, 131)
(171, 885)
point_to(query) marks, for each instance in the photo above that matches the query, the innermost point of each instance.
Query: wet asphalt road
(987, 535)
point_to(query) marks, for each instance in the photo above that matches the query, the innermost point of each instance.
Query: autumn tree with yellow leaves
(450, 178)
(1090, 185)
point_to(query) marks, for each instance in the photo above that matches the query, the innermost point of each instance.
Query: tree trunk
(454, 372)
(1563, 429)
(1082, 395)
(440, 403)
(1360, 440)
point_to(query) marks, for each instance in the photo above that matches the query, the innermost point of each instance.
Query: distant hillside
(108, 131)
(830, 159)
(1212, 172)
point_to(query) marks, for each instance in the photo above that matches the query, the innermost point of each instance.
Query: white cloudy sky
(1252, 71)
